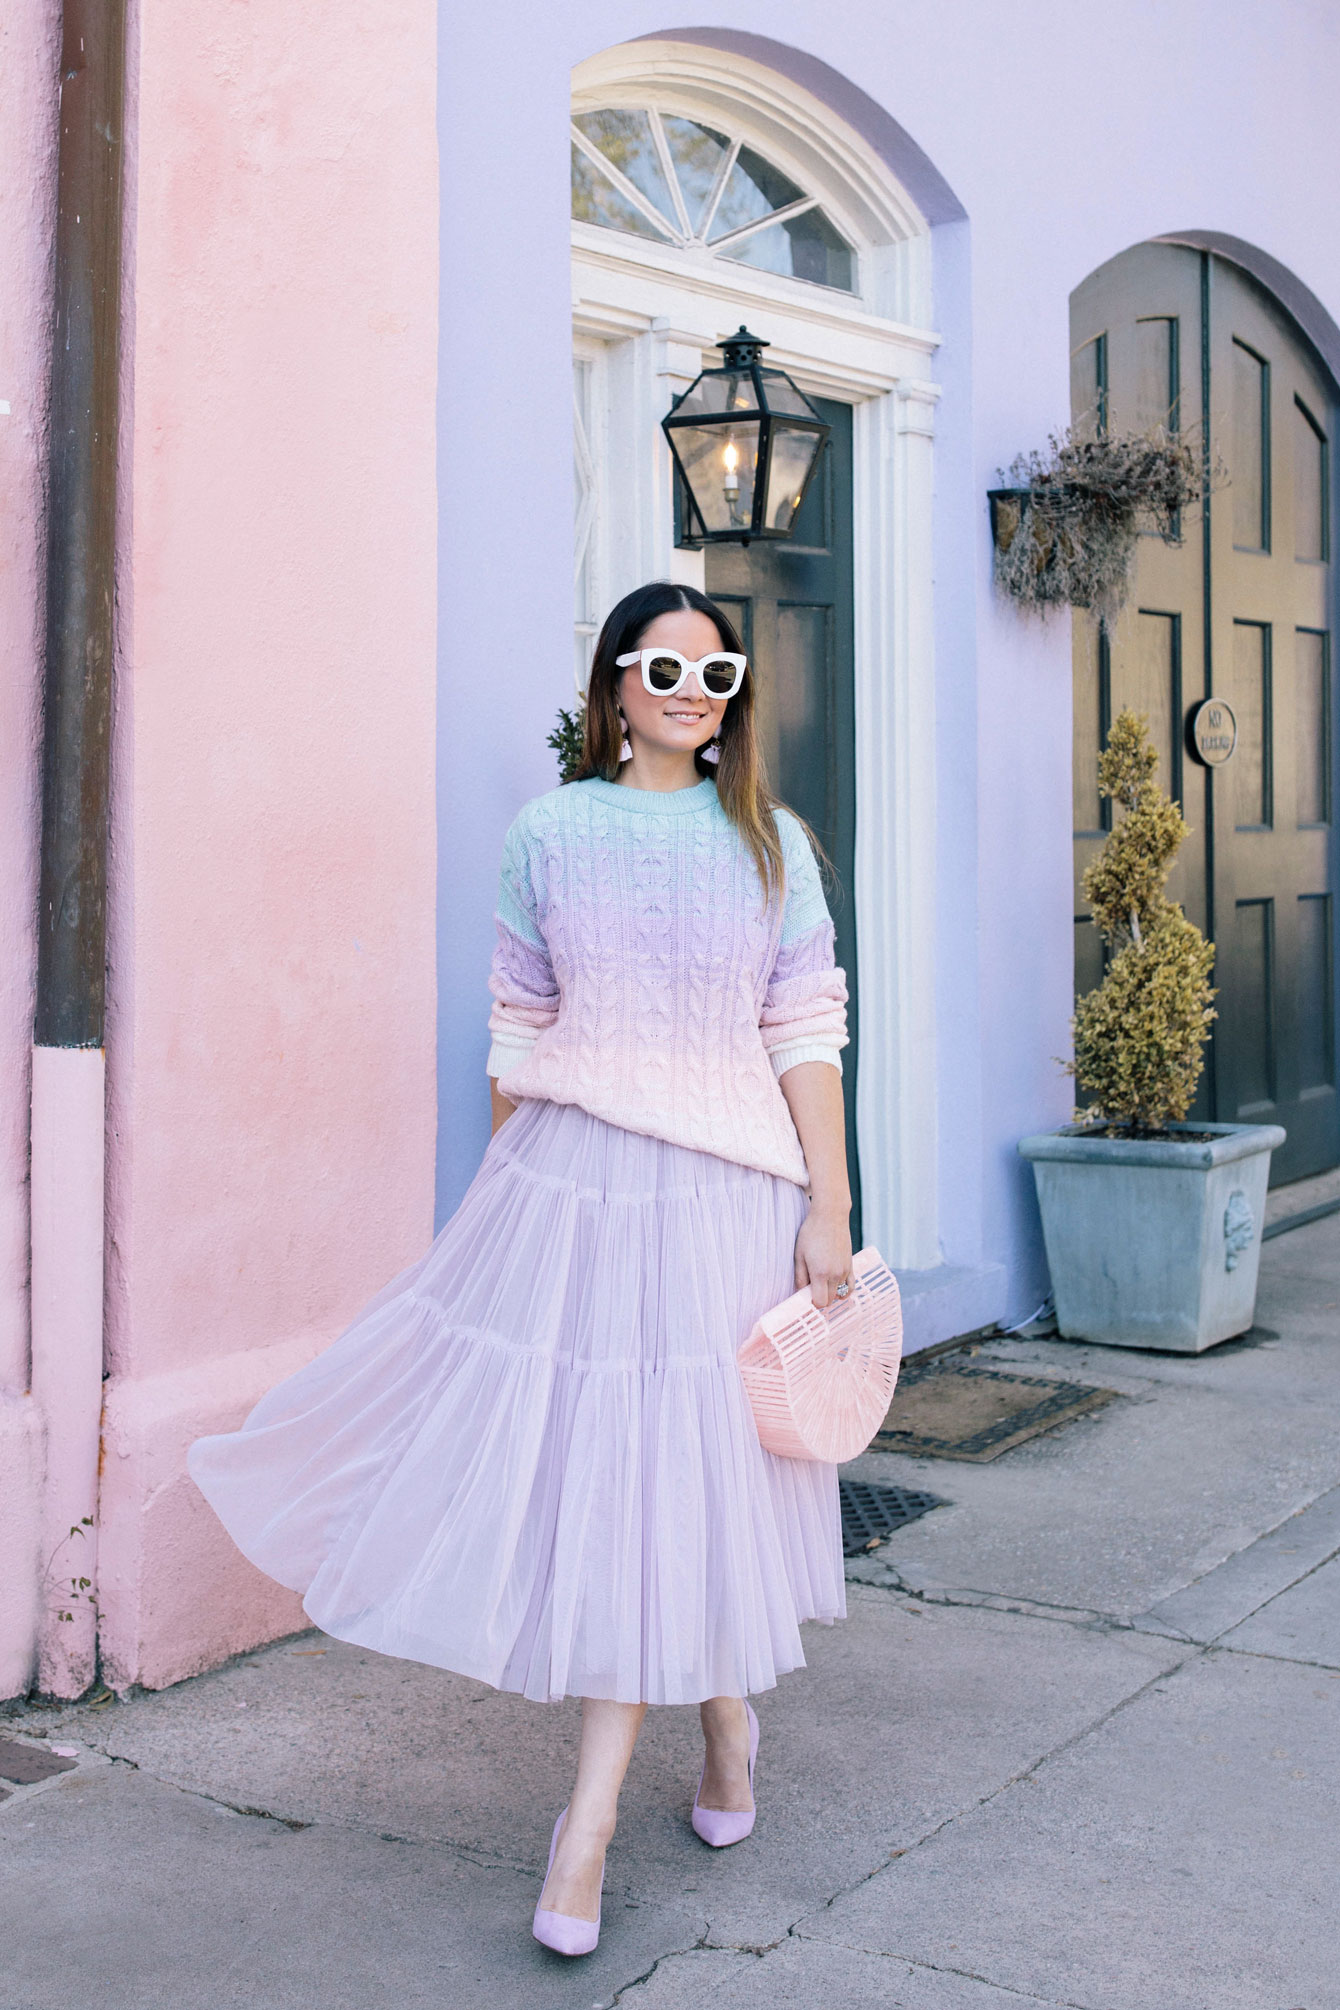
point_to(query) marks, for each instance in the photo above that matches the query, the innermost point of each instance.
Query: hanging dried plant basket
(1066, 528)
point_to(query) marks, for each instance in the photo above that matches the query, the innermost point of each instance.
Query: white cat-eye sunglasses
(665, 671)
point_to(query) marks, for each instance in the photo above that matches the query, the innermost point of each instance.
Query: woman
(531, 1460)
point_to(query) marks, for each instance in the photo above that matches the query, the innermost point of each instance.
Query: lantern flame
(731, 457)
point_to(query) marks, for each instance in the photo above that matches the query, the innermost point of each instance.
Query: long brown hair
(742, 787)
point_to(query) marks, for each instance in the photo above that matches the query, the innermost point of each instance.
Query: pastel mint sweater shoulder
(640, 974)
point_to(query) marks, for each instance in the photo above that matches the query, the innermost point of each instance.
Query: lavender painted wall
(1066, 132)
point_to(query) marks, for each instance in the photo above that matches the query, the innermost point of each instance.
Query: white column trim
(896, 1113)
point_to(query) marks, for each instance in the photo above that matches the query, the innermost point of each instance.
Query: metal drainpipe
(68, 1097)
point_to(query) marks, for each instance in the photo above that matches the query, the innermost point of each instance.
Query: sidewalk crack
(793, 1933)
(964, 1974)
(967, 1598)
(1145, 1621)
(1026, 1772)
(700, 1945)
(1219, 1646)
(297, 1824)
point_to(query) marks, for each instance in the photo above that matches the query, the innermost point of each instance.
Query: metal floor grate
(871, 1513)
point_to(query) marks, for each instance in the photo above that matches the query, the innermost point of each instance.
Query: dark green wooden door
(793, 605)
(1242, 610)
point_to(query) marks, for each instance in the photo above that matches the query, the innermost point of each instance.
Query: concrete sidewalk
(1078, 1744)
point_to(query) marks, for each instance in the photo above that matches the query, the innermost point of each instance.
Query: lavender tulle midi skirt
(531, 1459)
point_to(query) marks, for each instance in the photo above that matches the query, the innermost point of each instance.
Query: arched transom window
(673, 180)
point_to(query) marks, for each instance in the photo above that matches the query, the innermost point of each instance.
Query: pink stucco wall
(28, 63)
(271, 1026)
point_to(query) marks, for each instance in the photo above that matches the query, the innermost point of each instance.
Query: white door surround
(646, 319)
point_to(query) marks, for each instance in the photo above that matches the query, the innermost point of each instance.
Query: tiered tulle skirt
(531, 1459)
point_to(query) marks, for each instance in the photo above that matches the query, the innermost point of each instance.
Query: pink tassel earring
(625, 751)
(712, 751)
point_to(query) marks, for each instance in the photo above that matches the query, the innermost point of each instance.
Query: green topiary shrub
(1139, 1036)
(566, 741)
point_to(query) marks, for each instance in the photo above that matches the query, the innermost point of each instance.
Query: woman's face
(688, 718)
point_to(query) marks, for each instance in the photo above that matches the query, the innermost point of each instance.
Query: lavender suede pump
(556, 1929)
(722, 1826)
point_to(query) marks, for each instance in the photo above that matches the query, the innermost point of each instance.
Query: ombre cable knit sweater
(640, 975)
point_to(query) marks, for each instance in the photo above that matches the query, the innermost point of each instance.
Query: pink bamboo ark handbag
(820, 1383)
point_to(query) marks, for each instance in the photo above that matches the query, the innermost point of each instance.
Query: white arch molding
(645, 319)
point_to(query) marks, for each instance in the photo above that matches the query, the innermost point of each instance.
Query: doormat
(871, 1513)
(949, 1408)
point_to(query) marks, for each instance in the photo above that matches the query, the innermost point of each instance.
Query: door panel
(797, 724)
(793, 605)
(1135, 329)
(1249, 449)
(1154, 686)
(1316, 1047)
(1272, 853)
(1311, 482)
(1157, 375)
(1249, 1035)
(1164, 329)
(1312, 726)
(1246, 782)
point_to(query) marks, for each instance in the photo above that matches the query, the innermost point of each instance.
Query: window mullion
(627, 189)
(717, 190)
(666, 159)
(782, 215)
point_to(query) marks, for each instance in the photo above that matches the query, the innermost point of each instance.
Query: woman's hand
(823, 1252)
(813, 1092)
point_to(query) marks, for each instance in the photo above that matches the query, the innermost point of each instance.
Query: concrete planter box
(1152, 1242)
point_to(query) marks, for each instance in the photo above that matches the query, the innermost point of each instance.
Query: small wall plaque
(1214, 732)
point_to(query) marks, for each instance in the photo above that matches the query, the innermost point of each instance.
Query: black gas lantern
(746, 443)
